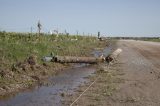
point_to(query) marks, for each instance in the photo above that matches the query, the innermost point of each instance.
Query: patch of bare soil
(26, 74)
(131, 81)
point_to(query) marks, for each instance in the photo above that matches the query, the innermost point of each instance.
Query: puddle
(51, 95)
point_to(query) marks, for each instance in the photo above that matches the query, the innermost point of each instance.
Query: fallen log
(74, 59)
(90, 60)
(113, 55)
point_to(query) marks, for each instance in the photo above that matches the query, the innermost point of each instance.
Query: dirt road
(133, 81)
(141, 65)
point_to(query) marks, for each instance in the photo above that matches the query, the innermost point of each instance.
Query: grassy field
(15, 48)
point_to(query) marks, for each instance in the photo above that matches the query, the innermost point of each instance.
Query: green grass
(16, 47)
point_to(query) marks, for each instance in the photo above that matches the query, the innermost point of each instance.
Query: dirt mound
(23, 75)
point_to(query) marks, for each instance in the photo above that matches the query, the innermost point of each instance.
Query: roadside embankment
(20, 57)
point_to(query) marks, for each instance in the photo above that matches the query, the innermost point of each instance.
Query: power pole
(65, 32)
(98, 35)
(31, 30)
(39, 27)
(77, 32)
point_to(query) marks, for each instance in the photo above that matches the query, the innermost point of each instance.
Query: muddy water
(52, 95)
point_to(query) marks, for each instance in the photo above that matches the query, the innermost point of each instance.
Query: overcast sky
(110, 17)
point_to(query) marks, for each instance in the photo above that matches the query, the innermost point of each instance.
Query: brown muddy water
(52, 94)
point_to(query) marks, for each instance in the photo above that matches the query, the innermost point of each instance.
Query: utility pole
(77, 32)
(39, 27)
(65, 32)
(98, 35)
(31, 30)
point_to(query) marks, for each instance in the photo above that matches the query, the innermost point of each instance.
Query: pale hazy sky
(110, 17)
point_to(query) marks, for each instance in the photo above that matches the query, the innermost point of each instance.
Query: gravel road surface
(140, 62)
